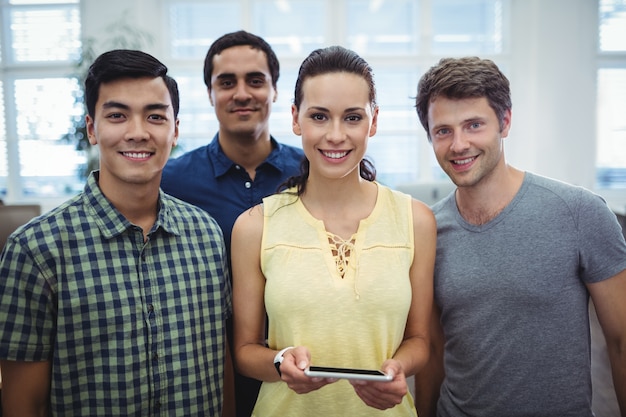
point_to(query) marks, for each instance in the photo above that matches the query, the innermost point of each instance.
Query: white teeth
(335, 155)
(137, 155)
(463, 161)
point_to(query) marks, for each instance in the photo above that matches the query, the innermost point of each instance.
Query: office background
(566, 60)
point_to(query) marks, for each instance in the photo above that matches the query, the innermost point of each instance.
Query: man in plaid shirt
(114, 303)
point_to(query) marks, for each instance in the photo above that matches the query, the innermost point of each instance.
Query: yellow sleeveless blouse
(347, 301)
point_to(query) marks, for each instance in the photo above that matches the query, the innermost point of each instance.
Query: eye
(226, 84)
(157, 117)
(354, 118)
(257, 82)
(475, 125)
(115, 116)
(318, 117)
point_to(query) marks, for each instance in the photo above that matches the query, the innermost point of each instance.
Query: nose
(459, 142)
(137, 129)
(336, 133)
(241, 92)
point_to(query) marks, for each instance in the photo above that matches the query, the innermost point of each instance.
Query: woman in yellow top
(341, 265)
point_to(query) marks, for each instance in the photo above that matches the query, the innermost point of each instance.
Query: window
(611, 118)
(399, 38)
(40, 42)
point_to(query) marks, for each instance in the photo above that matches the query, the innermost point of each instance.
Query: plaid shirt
(131, 327)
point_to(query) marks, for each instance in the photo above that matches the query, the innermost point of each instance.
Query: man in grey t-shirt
(517, 257)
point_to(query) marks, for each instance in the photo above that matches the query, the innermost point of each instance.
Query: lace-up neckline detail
(341, 250)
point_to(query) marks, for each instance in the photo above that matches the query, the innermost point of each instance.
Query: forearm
(617, 356)
(412, 355)
(257, 361)
(427, 387)
(25, 389)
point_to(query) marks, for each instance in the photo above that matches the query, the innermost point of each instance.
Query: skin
(468, 144)
(242, 94)
(135, 127)
(335, 121)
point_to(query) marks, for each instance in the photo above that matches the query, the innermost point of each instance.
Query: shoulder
(289, 151)
(186, 160)
(573, 196)
(182, 212)
(249, 224)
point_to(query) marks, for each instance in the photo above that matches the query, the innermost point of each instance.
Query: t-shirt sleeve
(602, 247)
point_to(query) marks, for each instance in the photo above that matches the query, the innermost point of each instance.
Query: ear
(506, 124)
(91, 130)
(275, 95)
(295, 125)
(374, 126)
(176, 131)
(208, 90)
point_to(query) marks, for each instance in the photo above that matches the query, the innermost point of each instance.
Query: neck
(137, 202)
(247, 151)
(482, 202)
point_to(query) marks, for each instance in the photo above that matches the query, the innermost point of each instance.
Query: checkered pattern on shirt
(131, 328)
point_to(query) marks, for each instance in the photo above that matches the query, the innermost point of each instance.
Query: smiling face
(335, 120)
(467, 138)
(242, 91)
(135, 127)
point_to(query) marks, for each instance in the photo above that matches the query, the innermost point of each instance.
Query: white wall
(553, 86)
(552, 74)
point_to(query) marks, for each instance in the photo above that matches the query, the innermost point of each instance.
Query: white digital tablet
(347, 373)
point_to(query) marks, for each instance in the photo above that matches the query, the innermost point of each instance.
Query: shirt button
(150, 308)
(237, 167)
(248, 184)
(155, 356)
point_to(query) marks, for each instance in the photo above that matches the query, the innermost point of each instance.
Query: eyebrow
(348, 110)
(118, 105)
(248, 75)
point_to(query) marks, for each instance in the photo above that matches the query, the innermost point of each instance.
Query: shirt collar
(111, 222)
(222, 163)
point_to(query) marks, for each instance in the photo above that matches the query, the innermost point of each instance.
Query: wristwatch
(278, 359)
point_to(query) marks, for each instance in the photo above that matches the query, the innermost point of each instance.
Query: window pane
(194, 26)
(45, 34)
(4, 172)
(291, 27)
(45, 109)
(612, 25)
(394, 157)
(382, 27)
(611, 144)
(42, 1)
(467, 27)
(395, 90)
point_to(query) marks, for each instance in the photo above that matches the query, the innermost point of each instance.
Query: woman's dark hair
(126, 63)
(239, 38)
(323, 61)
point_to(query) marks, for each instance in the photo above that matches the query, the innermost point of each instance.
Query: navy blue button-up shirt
(207, 178)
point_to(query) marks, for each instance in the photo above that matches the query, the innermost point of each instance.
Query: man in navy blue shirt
(243, 163)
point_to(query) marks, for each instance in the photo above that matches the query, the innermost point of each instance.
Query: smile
(335, 155)
(463, 161)
(137, 155)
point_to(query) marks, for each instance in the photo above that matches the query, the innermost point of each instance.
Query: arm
(428, 380)
(25, 388)
(252, 357)
(228, 409)
(412, 354)
(608, 298)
